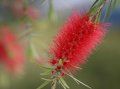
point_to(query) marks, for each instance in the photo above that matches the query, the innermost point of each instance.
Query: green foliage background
(102, 71)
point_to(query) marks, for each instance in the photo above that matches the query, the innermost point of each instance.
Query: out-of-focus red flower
(32, 12)
(75, 42)
(18, 8)
(11, 52)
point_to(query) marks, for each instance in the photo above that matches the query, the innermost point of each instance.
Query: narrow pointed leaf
(114, 3)
(94, 4)
(46, 79)
(54, 84)
(62, 84)
(79, 82)
(44, 67)
(51, 14)
(34, 51)
(43, 85)
(63, 81)
(108, 11)
(47, 72)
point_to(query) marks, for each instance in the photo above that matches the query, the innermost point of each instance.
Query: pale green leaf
(44, 67)
(109, 9)
(114, 3)
(47, 72)
(54, 84)
(63, 82)
(43, 85)
(79, 82)
(96, 5)
(34, 51)
(46, 79)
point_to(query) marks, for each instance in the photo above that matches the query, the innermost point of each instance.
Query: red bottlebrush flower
(75, 41)
(11, 53)
(53, 62)
(33, 13)
(18, 8)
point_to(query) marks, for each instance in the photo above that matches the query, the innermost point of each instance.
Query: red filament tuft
(75, 41)
(11, 52)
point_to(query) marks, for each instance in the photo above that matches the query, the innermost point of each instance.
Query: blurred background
(102, 71)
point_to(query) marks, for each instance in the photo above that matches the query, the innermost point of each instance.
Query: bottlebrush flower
(75, 42)
(33, 13)
(18, 8)
(11, 52)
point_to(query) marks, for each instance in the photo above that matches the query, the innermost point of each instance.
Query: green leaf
(96, 5)
(98, 18)
(114, 3)
(30, 54)
(43, 85)
(51, 10)
(109, 9)
(34, 51)
(63, 82)
(44, 67)
(47, 72)
(54, 84)
(46, 79)
(51, 14)
(78, 81)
